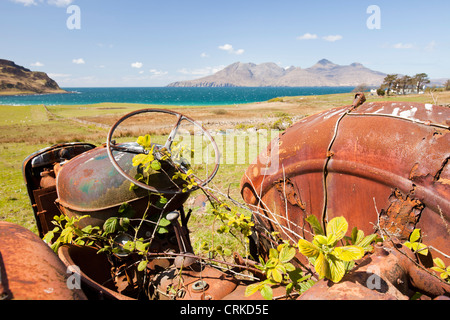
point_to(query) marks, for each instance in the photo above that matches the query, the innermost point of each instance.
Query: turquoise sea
(169, 95)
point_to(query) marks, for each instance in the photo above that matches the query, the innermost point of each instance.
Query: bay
(168, 95)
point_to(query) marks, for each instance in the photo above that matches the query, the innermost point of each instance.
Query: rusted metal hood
(90, 185)
(357, 163)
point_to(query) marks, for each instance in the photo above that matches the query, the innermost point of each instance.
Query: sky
(146, 43)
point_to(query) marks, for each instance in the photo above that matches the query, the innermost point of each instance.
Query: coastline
(219, 116)
(165, 96)
(30, 93)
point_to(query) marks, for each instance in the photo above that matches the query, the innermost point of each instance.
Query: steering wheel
(111, 146)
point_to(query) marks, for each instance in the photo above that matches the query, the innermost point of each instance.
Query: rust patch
(401, 216)
(287, 192)
(414, 172)
(437, 176)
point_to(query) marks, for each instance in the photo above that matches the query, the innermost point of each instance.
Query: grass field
(26, 129)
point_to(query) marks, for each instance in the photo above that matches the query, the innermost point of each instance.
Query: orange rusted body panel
(30, 270)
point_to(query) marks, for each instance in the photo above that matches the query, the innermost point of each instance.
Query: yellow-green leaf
(307, 248)
(267, 292)
(321, 266)
(438, 262)
(271, 263)
(421, 249)
(366, 241)
(415, 235)
(331, 240)
(417, 247)
(286, 254)
(251, 289)
(276, 275)
(336, 268)
(142, 265)
(437, 269)
(349, 253)
(156, 165)
(273, 253)
(145, 141)
(315, 224)
(357, 235)
(337, 226)
(320, 239)
(408, 245)
(111, 225)
(289, 267)
(280, 267)
(138, 159)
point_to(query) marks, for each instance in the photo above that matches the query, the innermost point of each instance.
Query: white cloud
(37, 64)
(204, 55)
(229, 48)
(226, 47)
(201, 72)
(78, 61)
(60, 3)
(307, 36)
(332, 38)
(25, 2)
(158, 72)
(137, 65)
(401, 45)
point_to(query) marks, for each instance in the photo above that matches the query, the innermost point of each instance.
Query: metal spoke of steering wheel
(110, 146)
(173, 133)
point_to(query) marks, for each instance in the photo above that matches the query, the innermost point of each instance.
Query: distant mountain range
(323, 74)
(15, 79)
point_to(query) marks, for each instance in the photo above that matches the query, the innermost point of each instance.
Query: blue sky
(153, 43)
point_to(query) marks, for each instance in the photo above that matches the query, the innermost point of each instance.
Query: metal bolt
(199, 285)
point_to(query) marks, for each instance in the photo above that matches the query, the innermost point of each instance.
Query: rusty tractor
(383, 166)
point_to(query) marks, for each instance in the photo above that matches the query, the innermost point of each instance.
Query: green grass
(14, 202)
(17, 115)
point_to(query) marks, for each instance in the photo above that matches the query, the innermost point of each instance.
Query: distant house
(407, 90)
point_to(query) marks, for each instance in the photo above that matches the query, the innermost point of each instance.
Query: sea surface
(168, 95)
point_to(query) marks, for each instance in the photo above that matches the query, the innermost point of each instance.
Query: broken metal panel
(95, 271)
(401, 217)
(39, 170)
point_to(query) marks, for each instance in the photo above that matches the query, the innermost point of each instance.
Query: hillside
(15, 79)
(323, 74)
